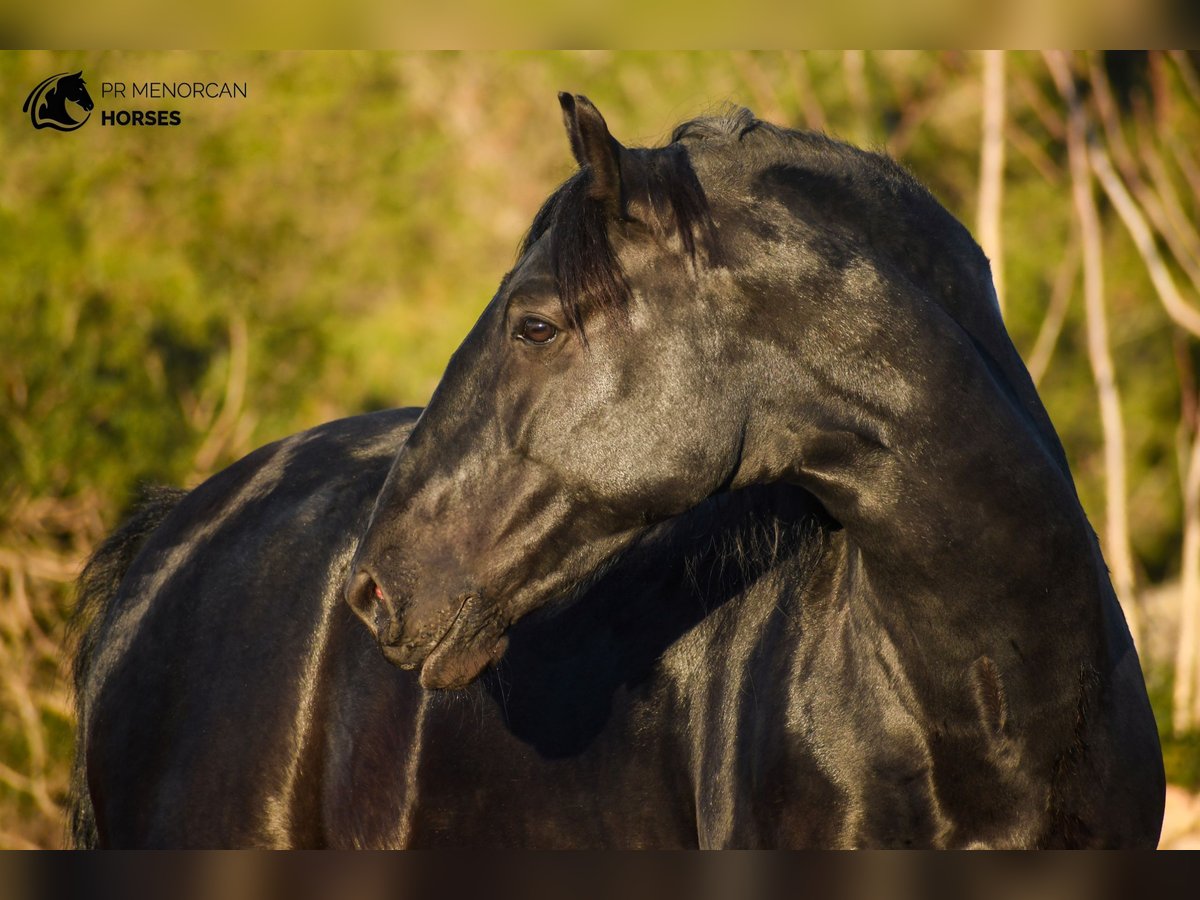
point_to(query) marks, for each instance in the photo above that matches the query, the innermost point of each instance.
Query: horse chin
(452, 668)
(474, 641)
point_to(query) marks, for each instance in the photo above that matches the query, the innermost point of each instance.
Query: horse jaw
(473, 642)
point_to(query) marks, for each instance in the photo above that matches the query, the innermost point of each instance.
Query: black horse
(735, 521)
(47, 103)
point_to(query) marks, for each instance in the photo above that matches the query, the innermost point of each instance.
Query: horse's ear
(593, 147)
(78, 74)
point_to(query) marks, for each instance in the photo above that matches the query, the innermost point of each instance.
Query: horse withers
(735, 521)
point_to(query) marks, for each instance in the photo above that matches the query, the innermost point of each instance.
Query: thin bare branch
(810, 105)
(1116, 526)
(991, 169)
(33, 784)
(1175, 226)
(1189, 402)
(31, 788)
(854, 68)
(1033, 152)
(1056, 313)
(766, 98)
(1181, 312)
(1046, 113)
(1110, 119)
(1156, 206)
(915, 111)
(1185, 699)
(11, 841)
(1187, 73)
(21, 622)
(56, 704)
(217, 440)
(1172, 224)
(42, 564)
(1186, 162)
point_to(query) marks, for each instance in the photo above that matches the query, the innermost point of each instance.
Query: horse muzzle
(452, 646)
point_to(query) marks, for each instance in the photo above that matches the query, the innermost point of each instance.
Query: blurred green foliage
(357, 211)
(353, 215)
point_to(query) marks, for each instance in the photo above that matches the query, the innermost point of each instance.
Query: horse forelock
(662, 184)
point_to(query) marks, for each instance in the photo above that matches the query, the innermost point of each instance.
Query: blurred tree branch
(1181, 312)
(1174, 227)
(220, 436)
(1186, 692)
(1116, 524)
(991, 168)
(810, 105)
(1056, 313)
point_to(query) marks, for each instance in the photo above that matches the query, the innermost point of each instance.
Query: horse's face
(72, 88)
(545, 450)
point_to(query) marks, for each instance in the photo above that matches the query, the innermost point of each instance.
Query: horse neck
(948, 480)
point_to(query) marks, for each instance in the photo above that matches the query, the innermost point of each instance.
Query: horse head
(73, 88)
(681, 321)
(47, 103)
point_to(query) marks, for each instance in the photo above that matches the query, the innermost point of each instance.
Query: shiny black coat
(772, 544)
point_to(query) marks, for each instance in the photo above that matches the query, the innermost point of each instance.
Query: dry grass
(42, 549)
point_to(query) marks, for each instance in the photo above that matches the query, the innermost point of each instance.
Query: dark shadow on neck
(556, 684)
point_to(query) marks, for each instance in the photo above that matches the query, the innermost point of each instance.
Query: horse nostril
(371, 604)
(362, 592)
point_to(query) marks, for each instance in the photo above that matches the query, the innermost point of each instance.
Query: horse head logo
(47, 103)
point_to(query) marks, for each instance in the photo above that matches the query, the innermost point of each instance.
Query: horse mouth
(473, 640)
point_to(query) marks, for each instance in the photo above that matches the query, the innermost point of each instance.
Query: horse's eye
(536, 331)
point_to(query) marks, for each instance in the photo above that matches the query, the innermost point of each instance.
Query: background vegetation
(171, 298)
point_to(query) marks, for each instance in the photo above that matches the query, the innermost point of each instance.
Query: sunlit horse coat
(735, 521)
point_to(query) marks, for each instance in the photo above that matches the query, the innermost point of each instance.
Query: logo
(47, 103)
